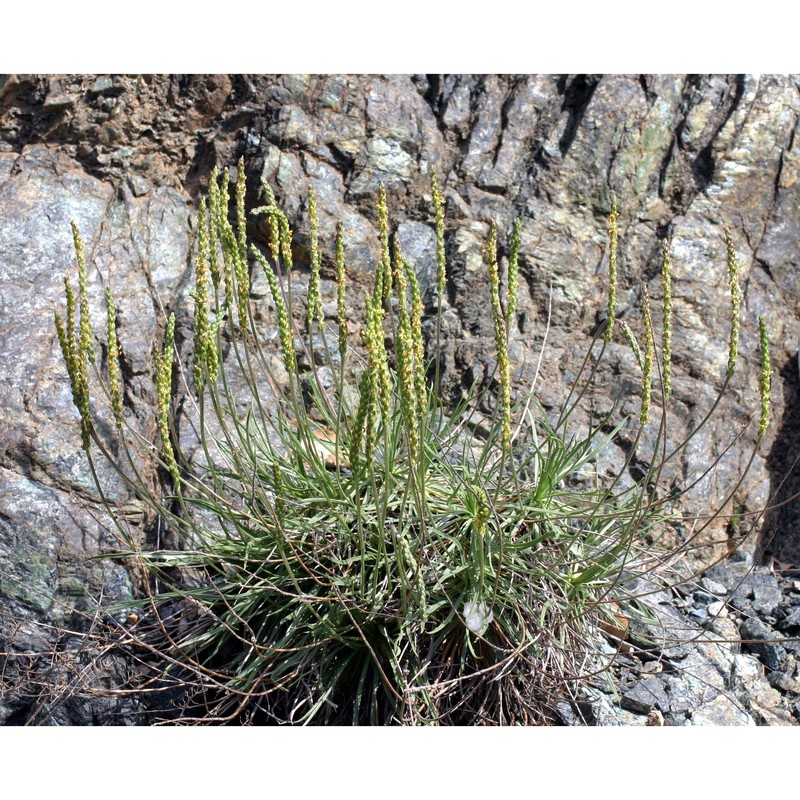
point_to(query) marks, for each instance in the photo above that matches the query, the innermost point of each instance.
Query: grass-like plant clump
(351, 551)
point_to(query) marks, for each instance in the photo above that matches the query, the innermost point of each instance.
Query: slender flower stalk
(280, 491)
(415, 318)
(647, 366)
(501, 340)
(164, 395)
(378, 359)
(734, 272)
(207, 246)
(438, 210)
(765, 379)
(314, 310)
(284, 327)
(274, 230)
(406, 356)
(286, 242)
(77, 348)
(66, 347)
(114, 382)
(666, 339)
(341, 297)
(385, 267)
(239, 254)
(236, 275)
(375, 314)
(280, 233)
(66, 336)
(373, 399)
(75, 360)
(86, 345)
(241, 216)
(72, 342)
(441, 270)
(365, 400)
(634, 345)
(213, 241)
(613, 238)
(227, 241)
(513, 272)
(221, 237)
(202, 330)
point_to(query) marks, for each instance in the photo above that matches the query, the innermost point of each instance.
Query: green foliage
(378, 559)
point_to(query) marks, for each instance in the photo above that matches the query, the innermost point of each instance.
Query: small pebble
(784, 682)
(139, 186)
(714, 587)
(102, 85)
(655, 719)
(717, 609)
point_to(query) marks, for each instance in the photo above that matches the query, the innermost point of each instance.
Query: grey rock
(715, 588)
(784, 682)
(729, 575)
(717, 609)
(567, 714)
(668, 634)
(721, 711)
(56, 103)
(646, 695)
(726, 629)
(607, 713)
(791, 622)
(103, 85)
(761, 590)
(758, 638)
(139, 186)
(749, 587)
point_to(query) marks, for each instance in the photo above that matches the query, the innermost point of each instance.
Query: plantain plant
(351, 551)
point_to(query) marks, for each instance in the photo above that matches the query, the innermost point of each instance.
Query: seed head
(113, 359)
(203, 338)
(438, 210)
(647, 367)
(241, 216)
(736, 302)
(612, 270)
(86, 345)
(500, 339)
(164, 396)
(666, 341)
(284, 328)
(314, 310)
(341, 306)
(385, 268)
(634, 345)
(765, 380)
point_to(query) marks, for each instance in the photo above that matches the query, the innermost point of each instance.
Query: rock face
(126, 158)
